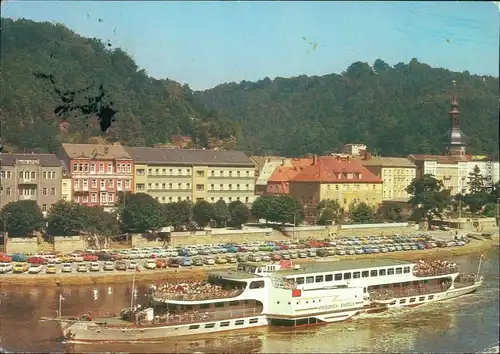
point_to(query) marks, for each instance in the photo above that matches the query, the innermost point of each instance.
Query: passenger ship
(280, 294)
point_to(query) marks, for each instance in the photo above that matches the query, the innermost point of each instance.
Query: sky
(204, 44)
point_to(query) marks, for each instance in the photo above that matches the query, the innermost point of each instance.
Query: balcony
(27, 197)
(27, 181)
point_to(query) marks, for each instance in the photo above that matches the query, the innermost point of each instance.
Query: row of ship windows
(28, 174)
(226, 323)
(187, 172)
(351, 275)
(92, 168)
(28, 191)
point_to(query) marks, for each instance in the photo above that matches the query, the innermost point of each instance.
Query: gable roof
(328, 169)
(441, 159)
(290, 169)
(388, 162)
(46, 160)
(95, 151)
(191, 157)
(260, 161)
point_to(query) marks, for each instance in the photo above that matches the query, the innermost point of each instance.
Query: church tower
(457, 139)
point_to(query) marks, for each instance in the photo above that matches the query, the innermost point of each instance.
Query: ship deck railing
(225, 294)
(388, 294)
(434, 272)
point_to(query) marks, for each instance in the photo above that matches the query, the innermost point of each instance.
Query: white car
(109, 265)
(150, 264)
(52, 259)
(82, 267)
(67, 268)
(77, 257)
(5, 267)
(35, 268)
(209, 261)
(132, 265)
(94, 267)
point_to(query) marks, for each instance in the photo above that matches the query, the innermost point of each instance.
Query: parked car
(90, 257)
(19, 257)
(35, 268)
(150, 264)
(131, 265)
(5, 258)
(175, 262)
(76, 257)
(37, 260)
(209, 261)
(82, 267)
(220, 260)
(5, 268)
(94, 267)
(51, 269)
(161, 263)
(198, 262)
(20, 268)
(67, 268)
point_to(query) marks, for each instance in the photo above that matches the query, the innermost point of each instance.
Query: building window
(247, 199)
(75, 167)
(75, 199)
(150, 171)
(111, 183)
(221, 187)
(44, 191)
(188, 185)
(140, 172)
(212, 187)
(119, 167)
(110, 198)
(94, 183)
(85, 199)
(53, 174)
(110, 168)
(200, 173)
(170, 186)
(44, 207)
(238, 187)
(199, 187)
(157, 186)
(52, 191)
(86, 167)
(44, 175)
(92, 168)
(7, 191)
(103, 197)
(230, 173)
(127, 184)
(212, 199)
(212, 173)
(170, 199)
(103, 184)
(76, 183)
(163, 186)
(179, 185)
(129, 168)
(119, 184)
(101, 167)
(230, 186)
(179, 172)
(139, 186)
(93, 197)
(33, 175)
(179, 199)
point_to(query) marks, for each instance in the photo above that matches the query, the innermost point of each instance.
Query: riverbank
(194, 274)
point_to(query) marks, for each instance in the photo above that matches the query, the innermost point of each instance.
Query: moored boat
(277, 294)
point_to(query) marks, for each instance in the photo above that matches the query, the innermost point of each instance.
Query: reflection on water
(467, 324)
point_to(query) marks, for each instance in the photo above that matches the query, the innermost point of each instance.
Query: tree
(203, 213)
(142, 213)
(221, 213)
(428, 198)
(178, 214)
(278, 208)
(263, 208)
(239, 214)
(67, 219)
(476, 201)
(476, 181)
(362, 213)
(329, 211)
(22, 218)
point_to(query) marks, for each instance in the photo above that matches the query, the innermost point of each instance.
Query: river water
(467, 324)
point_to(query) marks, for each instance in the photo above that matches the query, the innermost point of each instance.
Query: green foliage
(490, 210)
(239, 214)
(221, 213)
(203, 213)
(178, 214)
(428, 198)
(149, 111)
(329, 211)
(142, 213)
(391, 110)
(362, 213)
(278, 208)
(22, 218)
(476, 201)
(476, 181)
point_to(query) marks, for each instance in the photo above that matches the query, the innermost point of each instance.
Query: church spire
(458, 140)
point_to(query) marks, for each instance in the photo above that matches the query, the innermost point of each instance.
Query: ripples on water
(466, 324)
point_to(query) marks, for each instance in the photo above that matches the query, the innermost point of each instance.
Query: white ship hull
(88, 331)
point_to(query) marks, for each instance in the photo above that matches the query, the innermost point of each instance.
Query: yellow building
(338, 178)
(396, 172)
(189, 174)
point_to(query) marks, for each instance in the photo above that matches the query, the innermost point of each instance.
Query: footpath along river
(468, 324)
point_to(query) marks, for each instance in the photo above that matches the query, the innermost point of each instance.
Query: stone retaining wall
(68, 244)
(22, 245)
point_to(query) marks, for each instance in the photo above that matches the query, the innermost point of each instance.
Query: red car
(4, 258)
(89, 257)
(37, 260)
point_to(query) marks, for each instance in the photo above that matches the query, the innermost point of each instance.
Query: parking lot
(220, 255)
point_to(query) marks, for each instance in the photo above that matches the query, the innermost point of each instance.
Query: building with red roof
(340, 178)
(279, 181)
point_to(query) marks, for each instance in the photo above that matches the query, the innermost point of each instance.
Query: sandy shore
(199, 273)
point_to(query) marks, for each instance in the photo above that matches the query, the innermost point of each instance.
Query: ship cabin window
(338, 276)
(373, 273)
(234, 303)
(364, 290)
(239, 322)
(421, 298)
(204, 306)
(426, 281)
(399, 270)
(219, 304)
(309, 280)
(210, 325)
(300, 280)
(365, 274)
(347, 276)
(431, 297)
(412, 299)
(402, 301)
(381, 272)
(224, 324)
(319, 279)
(257, 284)
(390, 271)
(194, 326)
(329, 277)
(253, 320)
(406, 270)
(356, 275)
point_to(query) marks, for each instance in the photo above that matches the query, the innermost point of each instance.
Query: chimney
(366, 155)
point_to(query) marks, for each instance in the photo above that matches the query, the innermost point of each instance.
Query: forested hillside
(394, 110)
(148, 110)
